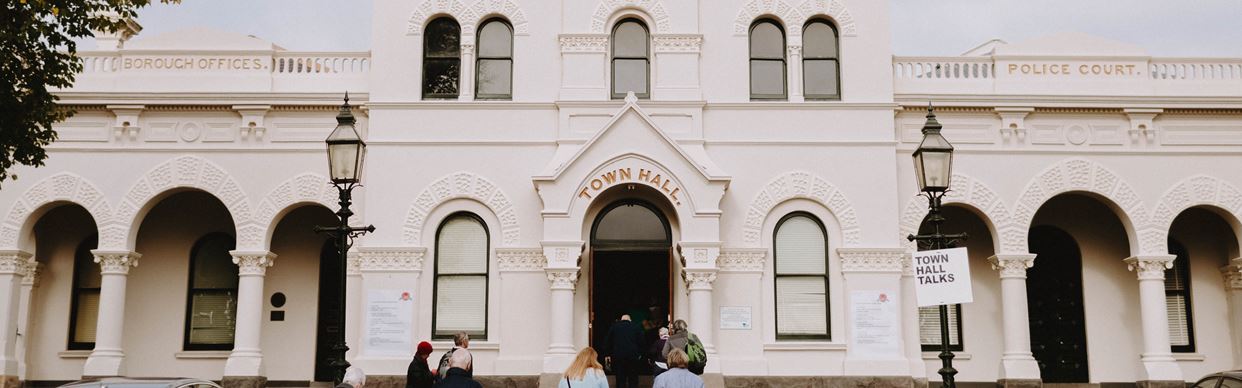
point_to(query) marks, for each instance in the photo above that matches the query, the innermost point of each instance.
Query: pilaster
(873, 275)
(1232, 279)
(13, 265)
(561, 258)
(383, 270)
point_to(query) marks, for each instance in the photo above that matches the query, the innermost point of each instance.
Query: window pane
(442, 39)
(1208, 383)
(462, 246)
(87, 316)
(929, 326)
(495, 40)
(821, 77)
(801, 305)
(800, 247)
(819, 41)
(213, 265)
(629, 75)
(767, 78)
(461, 304)
(86, 270)
(1229, 382)
(631, 223)
(495, 77)
(767, 41)
(1179, 326)
(629, 40)
(212, 316)
(440, 77)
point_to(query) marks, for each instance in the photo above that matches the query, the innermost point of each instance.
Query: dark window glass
(461, 281)
(211, 313)
(494, 68)
(1177, 300)
(767, 60)
(631, 64)
(85, 301)
(801, 263)
(929, 328)
(441, 58)
(821, 73)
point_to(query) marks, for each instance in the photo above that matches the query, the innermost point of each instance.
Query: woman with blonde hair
(584, 372)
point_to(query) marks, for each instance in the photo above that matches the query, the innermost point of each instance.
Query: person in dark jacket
(457, 375)
(418, 375)
(656, 354)
(622, 349)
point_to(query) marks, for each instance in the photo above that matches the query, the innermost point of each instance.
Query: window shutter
(461, 304)
(929, 326)
(463, 247)
(1176, 291)
(801, 278)
(87, 316)
(800, 248)
(1179, 327)
(212, 317)
(802, 305)
(461, 277)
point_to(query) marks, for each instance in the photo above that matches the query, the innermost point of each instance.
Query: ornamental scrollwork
(871, 259)
(1069, 176)
(563, 280)
(391, 259)
(801, 184)
(463, 185)
(583, 43)
(1150, 267)
(1012, 266)
(14, 262)
(520, 259)
(742, 259)
(116, 263)
(253, 263)
(677, 43)
(699, 280)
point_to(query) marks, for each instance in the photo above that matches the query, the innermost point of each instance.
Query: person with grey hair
(457, 376)
(461, 340)
(354, 378)
(677, 375)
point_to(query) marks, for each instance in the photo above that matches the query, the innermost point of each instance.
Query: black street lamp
(346, 152)
(933, 166)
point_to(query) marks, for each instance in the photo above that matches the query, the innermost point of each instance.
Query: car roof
(104, 381)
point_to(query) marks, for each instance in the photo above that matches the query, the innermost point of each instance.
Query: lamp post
(933, 166)
(346, 152)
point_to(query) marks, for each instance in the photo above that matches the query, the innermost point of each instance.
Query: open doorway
(631, 269)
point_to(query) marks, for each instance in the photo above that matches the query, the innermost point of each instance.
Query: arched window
(211, 311)
(631, 64)
(494, 67)
(441, 58)
(801, 261)
(84, 312)
(1177, 300)
(821, 71)
(767, 60)
(462, 247)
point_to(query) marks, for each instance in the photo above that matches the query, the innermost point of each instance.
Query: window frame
(486, 274)
(186, 345)
(784, 60)
(836, 36)
(776, 275)
(479, 58)
(612, 59)
(74, 299)
(1182, 262)
(953, 347)
(426, 94)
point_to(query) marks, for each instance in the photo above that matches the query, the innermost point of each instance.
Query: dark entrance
(330, 268)
(630, 270)
(1054, 300)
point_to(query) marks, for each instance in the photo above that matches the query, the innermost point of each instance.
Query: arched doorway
(1054, 297)
(630, 269)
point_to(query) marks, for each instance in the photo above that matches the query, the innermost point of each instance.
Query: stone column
(873, 275)
(562, 271)
(108, 358)
(244, 367)
(795, 70)
(30, 281)
(1018, 366)
(699, 287)
(467, 69)
(1159, 369)
(12, 266)
(910, 322)
(1233, 291)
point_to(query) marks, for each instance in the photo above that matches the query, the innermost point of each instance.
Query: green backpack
(697, 354)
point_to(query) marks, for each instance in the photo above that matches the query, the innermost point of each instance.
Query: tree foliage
(37, 54)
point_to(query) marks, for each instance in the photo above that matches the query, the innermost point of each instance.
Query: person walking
(622, 346)
(659, 363)
(677, 375)
(584, 372)
(461, 340)
(458, 375)
(418, 375)
(678, 337)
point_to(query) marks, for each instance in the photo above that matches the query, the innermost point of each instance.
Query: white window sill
(203, 354)
(74, 354)
(803, 346)
(936, 356)
(1188, 357)
(446, 345)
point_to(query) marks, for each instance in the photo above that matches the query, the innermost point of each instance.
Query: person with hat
(418, 375)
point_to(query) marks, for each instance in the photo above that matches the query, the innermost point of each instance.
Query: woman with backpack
(680, 338)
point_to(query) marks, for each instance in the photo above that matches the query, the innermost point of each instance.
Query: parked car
(1227, 379)
(142, 382)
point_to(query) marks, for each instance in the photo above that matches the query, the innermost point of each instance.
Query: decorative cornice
(871, 259)
(115, 262)
(1150, 267)
(677, 43)
(520, 259)
(1233, 277)
(698, 279)
(353, 264)
(14, 262)
(563, 279)
(742, 259)
(31, 275)
(253, 263)
(1013, 265)
(401, 259)
(584, 43)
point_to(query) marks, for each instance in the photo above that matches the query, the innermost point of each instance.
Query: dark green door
(1054, 300)
(329, 306)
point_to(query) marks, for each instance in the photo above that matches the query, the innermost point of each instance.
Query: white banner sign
(389, 323)
(874, 328)
(942, 277)
(735, 317)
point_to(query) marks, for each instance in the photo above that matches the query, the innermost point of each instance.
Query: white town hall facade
(535, 169)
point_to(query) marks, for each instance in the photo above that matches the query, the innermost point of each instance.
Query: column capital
(14, 262)
(872, 259)
(1233, 276)
(116, 262)
(30, 275)
(1012, 265)
(1150, 267)
(253, 263)
(699, 279)
(562, 278)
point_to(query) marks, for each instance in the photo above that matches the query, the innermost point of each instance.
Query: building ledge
(446, 345)
(936, 356)
(74, 354)
(1188, 357)
(203, 354)
(803, 346)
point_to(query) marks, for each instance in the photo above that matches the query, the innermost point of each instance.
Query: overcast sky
(1211, 28)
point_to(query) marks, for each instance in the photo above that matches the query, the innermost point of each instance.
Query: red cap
(424, 348)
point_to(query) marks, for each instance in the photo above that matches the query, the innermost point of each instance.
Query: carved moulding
(677, 43)
(795, 16)
(1012, 265)
(253, 263)
(1199, 190)
(1150, 267)
(304, 188)
(463, 185)
(563, 279)
(399, 259)
(583, 43)
(800, 184)
(742, 259)
(115, 262)
(15, 262)
(1068, 176)
(184, 171)
(520, 259)
(607, 8)
(871, 259)
(968, 191)
(61, 187)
